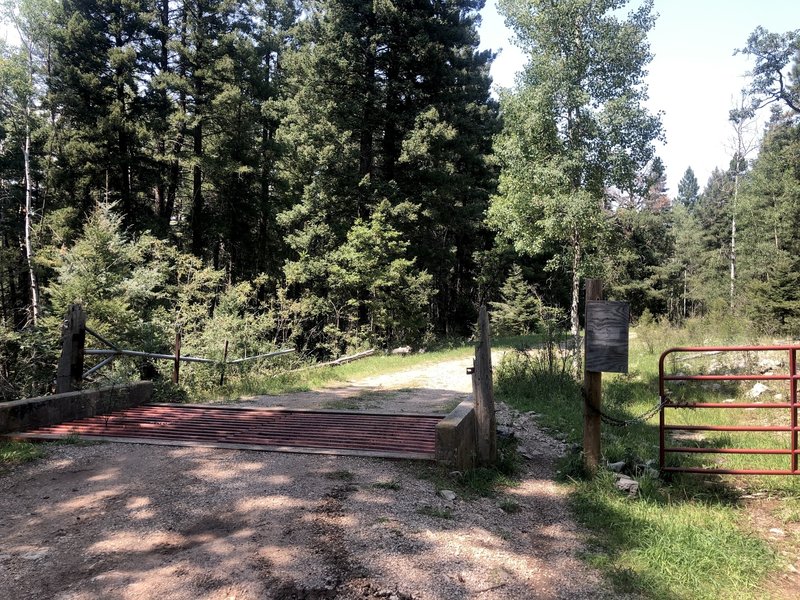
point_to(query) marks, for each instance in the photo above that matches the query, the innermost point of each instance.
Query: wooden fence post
(224, 363)
(592, 393)
(484, 394)
(176, 368)
(73, 340)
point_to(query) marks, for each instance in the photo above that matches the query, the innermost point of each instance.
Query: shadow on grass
(665, 542)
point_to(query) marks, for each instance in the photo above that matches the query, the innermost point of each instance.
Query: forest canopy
(337, 174)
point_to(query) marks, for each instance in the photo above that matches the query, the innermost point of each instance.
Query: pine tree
(769, 220)
(713, 214)
(688, 189)
(516, 311)
(388, 102)
(97, 75)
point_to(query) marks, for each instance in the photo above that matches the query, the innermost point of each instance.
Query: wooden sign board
(607, 336)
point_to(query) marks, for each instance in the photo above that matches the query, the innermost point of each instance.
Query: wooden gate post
(484, 394)
(73, 340)
(592, 386)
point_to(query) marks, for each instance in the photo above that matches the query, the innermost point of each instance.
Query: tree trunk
(685, 285)
(163, 65)
(366, 136)
(123, 146)
(198, 90)
(577, 367)
(198, 226)
(177, 146)
(733, 241)
(26, 153)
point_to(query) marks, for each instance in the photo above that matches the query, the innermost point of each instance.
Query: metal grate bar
(279, 428)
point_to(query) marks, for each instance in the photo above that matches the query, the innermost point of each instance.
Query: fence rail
(793, 451)
(73, 352)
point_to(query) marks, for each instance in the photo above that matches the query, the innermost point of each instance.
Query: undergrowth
(13, 452)
(688, 537)
(479, 482)
(200, 383)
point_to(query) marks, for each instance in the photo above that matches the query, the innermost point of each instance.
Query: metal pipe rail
(793, 451)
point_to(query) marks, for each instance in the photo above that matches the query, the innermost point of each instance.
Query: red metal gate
(792, 407)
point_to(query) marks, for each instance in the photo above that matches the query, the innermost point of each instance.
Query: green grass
(667, 548)
(509, 506)
(387, 485)
(275, 379)
(666, 542)
(480, 482)
(451, 405)
(13, 453)
(434, 511)
(789, 511)
(340, 475)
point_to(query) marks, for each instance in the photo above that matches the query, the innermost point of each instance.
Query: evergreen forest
(333, 175)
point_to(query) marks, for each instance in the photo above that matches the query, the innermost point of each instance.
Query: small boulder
(616, 466)
(448, 495)
(626, 484)
(778, 532)
(757, 390)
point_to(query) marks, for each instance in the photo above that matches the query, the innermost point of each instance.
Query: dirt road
(122, 521)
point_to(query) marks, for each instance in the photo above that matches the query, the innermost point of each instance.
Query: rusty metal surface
(792, 428)
(270, 429)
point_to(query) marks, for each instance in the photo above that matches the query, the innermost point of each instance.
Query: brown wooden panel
(607, 336)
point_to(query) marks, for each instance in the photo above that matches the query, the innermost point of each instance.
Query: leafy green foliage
(318, 173)
(12, 453)
(687, 524)
(575, 126)
(768, 223)
(118, 280)
(772, 78)
(394, 150)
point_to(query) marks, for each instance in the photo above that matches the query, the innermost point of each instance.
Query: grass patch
(276, 377)
(342, 475)
(788, 511)
(387, 485)
(665, 546)
(450, 405)
(664, 543)
(510, 506)
(73, 439)
(480, 482)
(435, 511)
(15, 452)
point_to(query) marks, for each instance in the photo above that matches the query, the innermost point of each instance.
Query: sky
(694, 77)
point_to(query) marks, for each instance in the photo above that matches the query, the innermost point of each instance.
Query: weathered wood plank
(484, 394)
(607, 336)
(73, 339)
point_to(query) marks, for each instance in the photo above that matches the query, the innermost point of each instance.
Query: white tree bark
(575, 328)
(26, 154)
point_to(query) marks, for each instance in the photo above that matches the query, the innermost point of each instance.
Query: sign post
(606, 349)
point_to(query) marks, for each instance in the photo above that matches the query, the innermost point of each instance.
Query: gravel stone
(128, 521)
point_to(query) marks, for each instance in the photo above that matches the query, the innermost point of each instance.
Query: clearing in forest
(135, 521)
